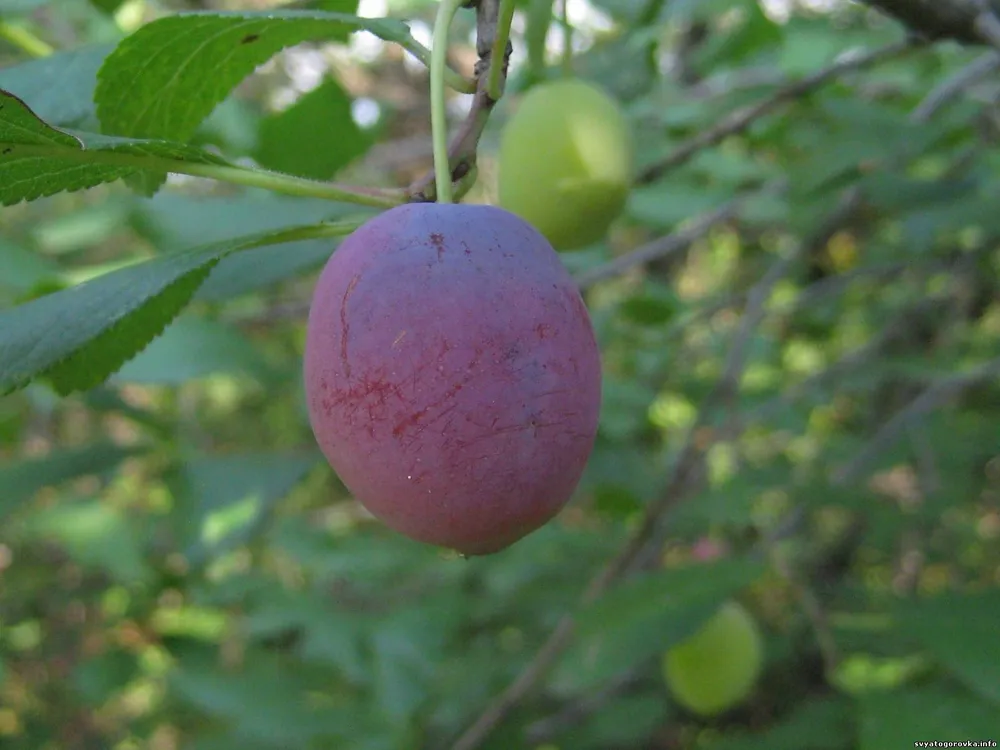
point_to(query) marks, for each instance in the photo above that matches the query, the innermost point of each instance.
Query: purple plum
(452, 376)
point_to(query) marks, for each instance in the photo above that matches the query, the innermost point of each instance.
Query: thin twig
(954, 85)
(570, 716)
(930, 399)
(662, 247)
(987, 25)
(741, 119)
(813, 609)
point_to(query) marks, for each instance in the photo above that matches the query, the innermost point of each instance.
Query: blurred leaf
(164, 79)
(224, 500)
(101, 677)
(751, 33)
(331, 634)
(192, 347)
(108, 6)
(21, 480)
(94, 534)
(960, 630)
(175, 220)
(623, 723)
(20, 6)
(817, 724)
(668, 203)
(646, 616)
(58, 88)
(316, 137)
(936, 712)
(254, 269)
(266, 701)
(80, 336)
(22, 269)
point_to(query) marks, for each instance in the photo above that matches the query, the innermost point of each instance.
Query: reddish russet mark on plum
(345, 327)
(452, 375)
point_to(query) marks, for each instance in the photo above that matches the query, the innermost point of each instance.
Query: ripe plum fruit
(452, 376)
(565, 162)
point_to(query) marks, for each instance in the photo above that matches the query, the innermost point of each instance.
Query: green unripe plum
(716, 668)
(565, 162)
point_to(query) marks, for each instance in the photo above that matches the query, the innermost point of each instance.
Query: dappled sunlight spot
(190, 620)
(722, 464)
(671, 412)
(862, 673)
(231, 520)
(365, 112)
(803, 357)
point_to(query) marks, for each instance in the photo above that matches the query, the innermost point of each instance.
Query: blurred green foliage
(180, 569)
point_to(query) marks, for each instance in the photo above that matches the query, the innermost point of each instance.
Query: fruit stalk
(495, 76)
(464, 143)
(439, 120)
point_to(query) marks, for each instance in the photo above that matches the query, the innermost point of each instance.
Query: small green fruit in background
(718, 666)
(565, 162)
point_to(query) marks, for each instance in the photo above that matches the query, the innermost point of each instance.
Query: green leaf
(167, 77)
(266, 701)
(101, 677)
(20, 6)
(817, 724)
(37, 160)
(225, 500)
(95, 535)
(108, 6)
(175, 220)
(254, 269)
(21, 480)
(961, 632)
(645, 617)
(936, 712)
(316, 137)
(79, 336)
(668, 203)
(22, 269)
(623, 723)
(58, 88)
(192, 347)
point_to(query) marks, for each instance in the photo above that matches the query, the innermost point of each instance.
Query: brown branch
(965, 21)
(935, 396)
(953, 86)
(465, 142)
(741, 119)
(662, 247)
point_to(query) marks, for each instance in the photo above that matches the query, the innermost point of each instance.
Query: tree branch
(964, 21)
(926, 402)
(741, 119)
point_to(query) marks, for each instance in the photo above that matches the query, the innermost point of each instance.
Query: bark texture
(941, 19)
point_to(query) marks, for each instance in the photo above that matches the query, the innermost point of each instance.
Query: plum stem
(495, 76)
(567, 28)
(24, 40)
(439, 121)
